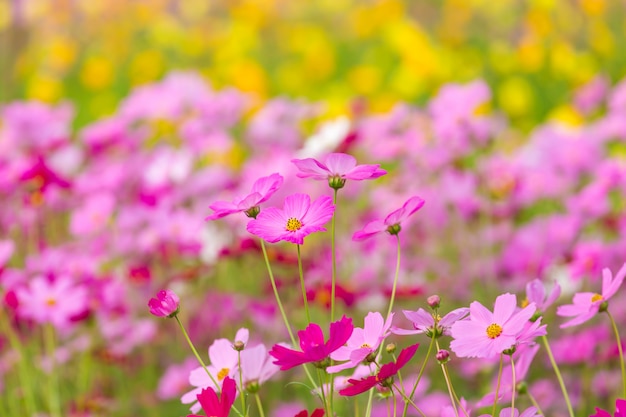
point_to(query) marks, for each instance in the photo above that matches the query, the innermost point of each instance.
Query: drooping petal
(365, 172)
(311, 168)
(359, 386)
(410, 206)
(370, 229)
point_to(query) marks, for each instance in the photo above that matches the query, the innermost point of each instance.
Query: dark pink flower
(314, 349)
(214, 406)
(318, 412)
(587, 304)
(165, 305)
(299, 218)
(620, 410)
(391, 223)
(262, 189)
(336, 169)
(386, 371)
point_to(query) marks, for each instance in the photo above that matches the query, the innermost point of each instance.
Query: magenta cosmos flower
(382, 377)
(392, 222)
(261, 191)
(424, 322)
(299, 218)
(588, 304)
(214, 406)
(486, 334)
(166, 304)
(620, 410)
(336, 169)
(314, 349)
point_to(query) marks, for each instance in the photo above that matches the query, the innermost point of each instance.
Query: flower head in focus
(299, 218)
(336, 169)
(391, 223)
(166, 304)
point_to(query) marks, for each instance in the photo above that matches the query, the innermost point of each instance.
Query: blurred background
(532, 53)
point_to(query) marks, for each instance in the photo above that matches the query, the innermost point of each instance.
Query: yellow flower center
(596, 297)
(51, 302)
(223, 373)
(494, 330)
(365, 345)
(293, 224)
(525, 302)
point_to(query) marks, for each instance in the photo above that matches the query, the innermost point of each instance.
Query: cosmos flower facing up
(214, 406)
(620, 410)
(261, 191)
(485, 334)
(588, 304)
(299, 218)
(391, 223)
(362, 342)
(424, 322)
(336, 169)
(383, 376)
(314, 349)
(166, 304)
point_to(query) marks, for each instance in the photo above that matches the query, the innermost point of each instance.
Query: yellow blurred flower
(44, 87)
(146, 66)
(515, 96)
(97, 73)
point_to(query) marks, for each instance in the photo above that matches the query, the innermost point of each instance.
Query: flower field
(293, 209)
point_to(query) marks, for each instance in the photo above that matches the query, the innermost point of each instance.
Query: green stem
(558, 375)
(324, 401)
(534, 403)
(495, 398)
(514, 385)
(53, 383)
(334, 260)
(419, 376)
(446, 377)
(195, 352)
(280, 304)
(282, 310)
(408, 400)
(304, 298)
(259, 405)
(621, 352)
(242, 392)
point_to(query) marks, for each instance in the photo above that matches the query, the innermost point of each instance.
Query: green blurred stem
(334, 260)
(558, 375)
(621, 352)
(259, 405)
(304, 297)
(408, 400)
(421, 372)
(446, 376)
(53, 381)
(195, 352)
(495, 398)
(534, 403)
(514, 385)
(242, 391)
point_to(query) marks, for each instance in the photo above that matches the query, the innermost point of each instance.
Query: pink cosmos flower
(536, 293)
(362, 342)
(424, 322)
(392, 222)
(620, 410)
(214, 406)
(386, 371)
(486, 334)
(336, 169)
(318, 412)
(166, 304)
(261, 191)
(299, 218)
(314, 349)
(256, 367)
(587, 304)
(52, 301)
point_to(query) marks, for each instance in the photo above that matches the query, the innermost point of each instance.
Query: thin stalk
(259, 405)
(53, 383)
(242, 392)
(282, 310)
(558, 375)
(495, 398)
(534, 403)
(334, 260)
(395, 403)
(326, 404)
(368, 411)
(195, 352)
(621, 352)
(280, 304)
(410, 401)
(419, 376)
(304, 297)
(514, 387)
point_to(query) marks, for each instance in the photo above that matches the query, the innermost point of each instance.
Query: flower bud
(433, 301)
(390, 348)
(166, 304)
(239, 345)
(443, 356)
(252, 212)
